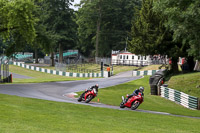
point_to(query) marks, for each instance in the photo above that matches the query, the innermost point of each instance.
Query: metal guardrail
(61, 73)
(137, 62)
(180, 98)
(142, 73)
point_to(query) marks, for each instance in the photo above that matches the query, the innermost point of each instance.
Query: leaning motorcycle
(132, 102)
(88, 96)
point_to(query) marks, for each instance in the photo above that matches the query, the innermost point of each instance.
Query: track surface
(57, 91)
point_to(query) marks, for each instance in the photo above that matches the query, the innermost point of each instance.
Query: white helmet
(141, 88)
(97, 85)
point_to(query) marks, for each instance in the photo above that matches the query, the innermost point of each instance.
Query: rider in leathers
(91, 88)
(135, 93)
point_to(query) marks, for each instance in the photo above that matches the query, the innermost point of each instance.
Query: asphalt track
(61, 91)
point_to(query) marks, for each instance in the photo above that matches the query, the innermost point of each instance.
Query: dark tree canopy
(151, 37)
(110, 21)
(183, 20)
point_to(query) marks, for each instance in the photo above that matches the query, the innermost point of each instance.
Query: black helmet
(141, 88)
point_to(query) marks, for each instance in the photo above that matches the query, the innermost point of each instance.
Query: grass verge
(119, 69)
(96, 68)
(38, 77)
(112, 96)
(187, 83)
(22, 115)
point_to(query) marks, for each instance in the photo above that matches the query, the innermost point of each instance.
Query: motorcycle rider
(91, 88)
(135, 93)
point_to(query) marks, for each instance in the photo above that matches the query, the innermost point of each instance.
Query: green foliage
(17, 20)
(114, 18)
(18, 24)
(183, 20)
(59, 21)
(150, 36)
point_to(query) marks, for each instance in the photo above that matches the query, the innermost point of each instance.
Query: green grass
(188, 83)
(112, 96)
(80, 68)
(150, 67)
(22, 115)
(38, 77)
(118, 69)
(95, 68)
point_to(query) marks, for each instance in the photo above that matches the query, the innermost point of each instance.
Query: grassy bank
(22, 115)
(37, 77)
(151, 67)
(112, 96)
(188, 83)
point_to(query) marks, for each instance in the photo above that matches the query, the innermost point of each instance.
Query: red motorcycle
(132, 102)
(88, 96)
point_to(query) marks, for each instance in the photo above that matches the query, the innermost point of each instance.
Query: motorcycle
(88, 96)
(132, 102)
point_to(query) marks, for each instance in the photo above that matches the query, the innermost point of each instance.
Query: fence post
(198, 103)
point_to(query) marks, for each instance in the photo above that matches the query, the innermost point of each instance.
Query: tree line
(165, 27)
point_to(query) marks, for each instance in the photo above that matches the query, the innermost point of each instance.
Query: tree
(183, 20)
(104, 25)
(60, 25)
(17, 23)
(150, 36)
(87, 17)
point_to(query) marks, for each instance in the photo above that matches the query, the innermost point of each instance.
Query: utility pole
(126, 43)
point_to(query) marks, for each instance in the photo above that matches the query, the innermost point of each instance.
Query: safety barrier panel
(142, 73)
(180, 97)
(61, 73)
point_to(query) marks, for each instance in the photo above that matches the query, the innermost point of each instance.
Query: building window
(127, 57)
(120, 56)
(124, 57)
(132, 57)
(145, 58)
(138, 57)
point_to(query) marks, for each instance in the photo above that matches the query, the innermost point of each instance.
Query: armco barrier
(61, 73)
(142, 73)
(180, 97)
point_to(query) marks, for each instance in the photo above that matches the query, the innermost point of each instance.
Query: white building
(127, 58)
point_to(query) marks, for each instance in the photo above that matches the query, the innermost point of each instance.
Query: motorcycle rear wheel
(135, 105)
(89, 98)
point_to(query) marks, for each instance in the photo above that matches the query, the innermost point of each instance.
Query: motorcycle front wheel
(89, 98)
(81, 97)
(135, 105)
(121, 105)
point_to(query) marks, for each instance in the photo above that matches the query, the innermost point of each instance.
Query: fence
(61, 73)
(4, 72)
(180, 98)
(105, 60)
(138, 62)
(60, 67)
(142, 73)
(84, 68)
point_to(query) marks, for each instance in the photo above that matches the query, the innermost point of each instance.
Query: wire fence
(78, 68)
(4, 71)
(138, 62)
